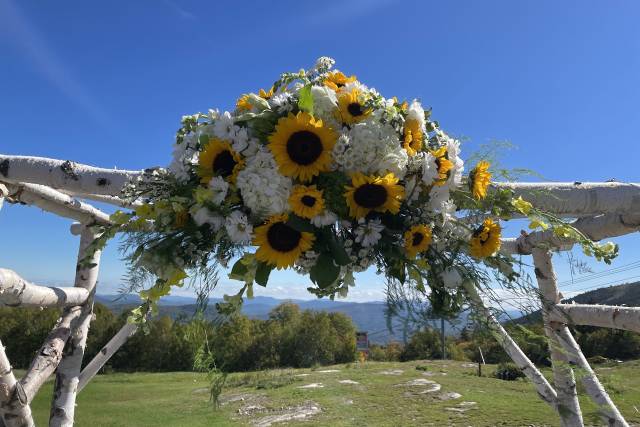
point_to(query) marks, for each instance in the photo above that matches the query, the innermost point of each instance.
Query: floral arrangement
(323, 175)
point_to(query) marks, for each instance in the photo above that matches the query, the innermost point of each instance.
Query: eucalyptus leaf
(262, 273)
(325, 272)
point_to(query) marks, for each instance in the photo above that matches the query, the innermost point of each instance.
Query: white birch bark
(3, 195)
(544, 389)
(564, 381)
(596, 228)
(14, 408)
(111, 200)
(79, 178)
(66, 383)
(56, 202)
(114, 344)
(579, 199)
(15, 291)
(605, 316)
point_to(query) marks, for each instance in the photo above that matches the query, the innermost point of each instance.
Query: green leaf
(300, 224)
(239, 269)
(337, 250)
(325, 272)
(262, 273)
(305, 99)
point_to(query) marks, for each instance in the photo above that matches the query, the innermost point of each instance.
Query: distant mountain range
(367, 316)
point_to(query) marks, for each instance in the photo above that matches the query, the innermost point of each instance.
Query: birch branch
(49, 355)
(579, 199)
(14, 409)
(66, 384)
(114, 344)
(544, 389)
(15, 291)
(563, 379)
(64, 174)
(102, 198)
(56, 202)
(3, 194)
(596, 228)
(605, 316)
(606, 408)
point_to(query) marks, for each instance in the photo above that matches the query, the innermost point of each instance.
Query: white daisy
(238, 228)
(219, 187)
(369, 232)
(202, 215)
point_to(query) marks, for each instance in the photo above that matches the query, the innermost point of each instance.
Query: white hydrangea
(219, 187)
(185, 157)
(368, 233)
(238, 228)
(224, 127)
(429, 167)
(263, 189)
(324, 219)
(416, 112)
(282, 103)
(324, 62)
(451, 278)
(202, 215)
(371, 147)
(325, 104)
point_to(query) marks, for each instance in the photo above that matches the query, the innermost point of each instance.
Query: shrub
(508, 372)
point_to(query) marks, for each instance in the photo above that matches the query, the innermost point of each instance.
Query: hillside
(367, 316)
(625, 294)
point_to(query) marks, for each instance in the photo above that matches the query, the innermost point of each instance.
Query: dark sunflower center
(370, 196)
(224, 163)
(304, 147)
(308, 201)
(283, 238)
(417, 239)
(355, 109)
(478, 233)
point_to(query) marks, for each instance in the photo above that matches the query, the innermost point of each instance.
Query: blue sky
(106, 83)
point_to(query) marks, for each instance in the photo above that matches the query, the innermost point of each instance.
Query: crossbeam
(16, 291)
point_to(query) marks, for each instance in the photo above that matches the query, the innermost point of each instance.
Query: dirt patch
(449, 395)
(247, 410)
(328, 371)
(462, 407)
(348, 382)
(242, 397)
(417, 382)
(308, 409)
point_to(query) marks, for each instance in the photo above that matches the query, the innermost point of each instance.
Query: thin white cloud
(182, 13)
(28, 41)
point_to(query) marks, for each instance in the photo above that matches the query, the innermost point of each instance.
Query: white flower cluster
(264, 190)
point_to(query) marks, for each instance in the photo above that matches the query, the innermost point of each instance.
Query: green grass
(181, 399)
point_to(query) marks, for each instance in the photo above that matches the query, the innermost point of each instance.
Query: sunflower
(351, 108)
(486, 239)
(413, 137)
(219, 159)
(266, 95)
(479, 179)
(301, 145)
(243, 104)
(373, 193)
(444, 165)
(280, 245)
(306, 202)
(417, 239)
(336, 80)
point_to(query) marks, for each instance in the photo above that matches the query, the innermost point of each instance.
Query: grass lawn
(375, 394)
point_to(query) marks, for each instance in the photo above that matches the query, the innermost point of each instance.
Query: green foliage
(508, 372)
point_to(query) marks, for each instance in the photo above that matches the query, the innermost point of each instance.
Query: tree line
(289, 337)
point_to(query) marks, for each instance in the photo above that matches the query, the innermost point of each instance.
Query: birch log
(3, 195)
(56, 202)
(596, 228)
(564, 381)
(544, 389)
(114, 344)
(15, 291)
(64, 174)
(579, 199)
(606, 408)
(605, 316)
(66, 383)
(14, 409)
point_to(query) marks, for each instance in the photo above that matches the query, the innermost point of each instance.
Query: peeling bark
(66, 383)
(56, 202)
(596, 228)
(564, 381)
(114, 344)
(605, 316)
(578, 198)
(60, 174)
(17, 292)
(544, 389)
(14, 408)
